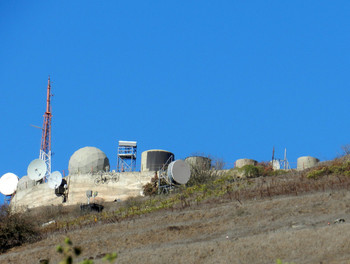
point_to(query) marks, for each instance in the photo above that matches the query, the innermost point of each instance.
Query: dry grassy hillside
(289, 217)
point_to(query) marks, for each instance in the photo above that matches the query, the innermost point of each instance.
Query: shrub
(249, 171)
(345, 149)
(265, 169)
(200, 175)
(69, 252)
(15, 229)
(151, 188)
(336, 168)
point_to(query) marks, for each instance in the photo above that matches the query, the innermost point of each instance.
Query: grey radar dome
(88, 159)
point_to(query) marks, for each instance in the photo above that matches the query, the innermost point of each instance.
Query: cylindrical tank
(154, 159)
(179, 172)
(199, 162)
(88, 159)
(25, 183)
(242, 162)
(306, 162)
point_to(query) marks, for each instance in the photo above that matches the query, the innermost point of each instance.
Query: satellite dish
(37, 169)
(179, 172)
(55, 180)
(276, 165)
(8, 183)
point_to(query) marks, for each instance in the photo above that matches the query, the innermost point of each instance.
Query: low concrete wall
(129, 184)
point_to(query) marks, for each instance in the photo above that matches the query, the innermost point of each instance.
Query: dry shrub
(201, 175)
(16, 229)
(336, 167)
(345, 149)
(45, 214)
(151, 188)
(133, 201)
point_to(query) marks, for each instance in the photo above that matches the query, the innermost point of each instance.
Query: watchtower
(126, 156)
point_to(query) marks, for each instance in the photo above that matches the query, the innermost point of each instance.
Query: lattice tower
(45, 149)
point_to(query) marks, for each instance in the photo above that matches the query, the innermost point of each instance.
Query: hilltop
(256, 220)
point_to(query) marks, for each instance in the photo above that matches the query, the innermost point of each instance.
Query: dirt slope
(294, 229)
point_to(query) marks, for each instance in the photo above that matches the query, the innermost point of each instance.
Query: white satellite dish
(8, 183)
(276, 165)
(37, 169)
(55, 180)
(179, 172)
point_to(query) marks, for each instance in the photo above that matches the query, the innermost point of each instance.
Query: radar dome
(88, 159)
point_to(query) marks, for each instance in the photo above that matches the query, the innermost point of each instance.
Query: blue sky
(230, 79)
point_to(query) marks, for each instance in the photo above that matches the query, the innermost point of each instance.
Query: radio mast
(45, 149)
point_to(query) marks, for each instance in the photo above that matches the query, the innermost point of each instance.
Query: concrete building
(88, 170)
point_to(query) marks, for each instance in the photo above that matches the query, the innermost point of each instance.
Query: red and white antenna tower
(45, 149)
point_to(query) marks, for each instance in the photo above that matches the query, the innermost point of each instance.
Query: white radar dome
(88, 159)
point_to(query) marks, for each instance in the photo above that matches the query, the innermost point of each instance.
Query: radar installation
(45, 149)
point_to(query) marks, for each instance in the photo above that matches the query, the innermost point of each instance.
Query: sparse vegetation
(151, 188)
(278, 261)
(335, 168)
(16, 229)
(249, 171)
(71, 252)
(201, 175)
(262, 169)
(345, 149)
(226, 186)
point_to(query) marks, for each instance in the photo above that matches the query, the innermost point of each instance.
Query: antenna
(55, 180)
(286, 163)
(8, 183)
(37, 170)
(177, 173)
(45, 149)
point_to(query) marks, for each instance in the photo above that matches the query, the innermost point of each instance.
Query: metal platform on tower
(126, 156)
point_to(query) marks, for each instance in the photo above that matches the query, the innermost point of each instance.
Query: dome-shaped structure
(88, 159)
(25, 183)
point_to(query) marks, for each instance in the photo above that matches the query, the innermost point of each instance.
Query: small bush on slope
(15, 229)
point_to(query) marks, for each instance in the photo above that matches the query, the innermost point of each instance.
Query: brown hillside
(297, 228)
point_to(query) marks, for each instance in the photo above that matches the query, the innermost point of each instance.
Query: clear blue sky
(227, 78)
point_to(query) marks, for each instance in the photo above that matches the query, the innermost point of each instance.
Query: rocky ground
(298, 229)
